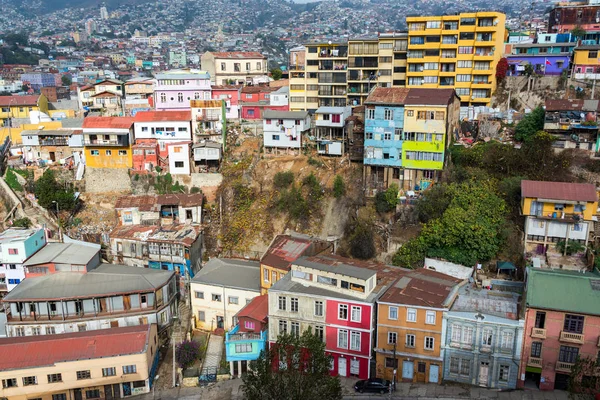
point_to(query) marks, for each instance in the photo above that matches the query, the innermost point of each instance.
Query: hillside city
(278, 200)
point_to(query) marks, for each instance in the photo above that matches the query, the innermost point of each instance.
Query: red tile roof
(559, 191)
(257, 309)
(30, 100)
(421, 287)
(41, 351)
(158, 116)
(108, 122)
(238, 54)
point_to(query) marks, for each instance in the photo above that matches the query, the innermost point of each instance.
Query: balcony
(534, 362)
(244, 336)
(54, 142)
(570, 337)
(563, 366)
(538, 333)
(105, 142)
(296, 67)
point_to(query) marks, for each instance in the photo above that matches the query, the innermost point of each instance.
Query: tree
(502, 68)
(22, 223)
(66, 80)
(164, 185)
(294, 368)
(339, 187)
(48, 192)
(276, 74)
(578, 32)
(584, 381)
(187, 353)
(433, 203)
(387, 201)
(531, 124)
(283, 180)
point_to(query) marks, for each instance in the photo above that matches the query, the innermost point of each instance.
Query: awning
(505, 266)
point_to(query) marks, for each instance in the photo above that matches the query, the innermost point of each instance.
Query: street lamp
(58, 218)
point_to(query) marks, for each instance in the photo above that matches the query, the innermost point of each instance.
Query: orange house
(409, 326)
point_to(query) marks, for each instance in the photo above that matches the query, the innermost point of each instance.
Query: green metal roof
(564, 290)
(505, 265)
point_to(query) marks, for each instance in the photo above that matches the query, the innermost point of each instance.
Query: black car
(373, 385)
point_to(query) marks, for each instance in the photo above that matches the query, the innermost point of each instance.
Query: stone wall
(99, 180)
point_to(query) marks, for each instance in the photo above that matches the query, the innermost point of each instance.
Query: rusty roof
(176, 233)
(153, 202)
(159, 116)
(206, 103)
(237, 54)
(31, 100)
(438, 97)
(284, 250)
(559, 191)
(381, 95)
(258, 89)
(142, 203)
(257, 309)
(181, 199)
(421, 287)
(48, 350)
(108, 122)
(572, 105)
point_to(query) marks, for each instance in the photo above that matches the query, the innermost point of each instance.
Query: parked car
(374, 385)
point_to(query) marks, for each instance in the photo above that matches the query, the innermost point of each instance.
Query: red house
(335, 297)
(231, 94)
(256, 99)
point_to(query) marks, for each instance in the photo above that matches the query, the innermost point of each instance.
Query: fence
(208, 375)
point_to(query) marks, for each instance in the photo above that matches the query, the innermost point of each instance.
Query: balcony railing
(535, 362)
(570, 337)
(244, 336)
(54, 142)
(538, 333)
(99, 142)
(563, 366)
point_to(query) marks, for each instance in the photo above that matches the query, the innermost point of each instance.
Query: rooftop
(381, 95)
(562, 290)
(572, 105)
(108, 122)
(231, 273)
(257, 309)
(238, 54)
(559, 191)
(178, 234)
(330, 110)
(226, 87)
(270, 114)
(337, 265)
(105, 280)
(63, 253)
(206, 104)
(30, 100)
(421, 287)
(159, 116)
(183, 74)
(487, 302)
(16, 234)
(258, 89)
(48, 350)
(284, 250)
(50, 132)
(441, 97)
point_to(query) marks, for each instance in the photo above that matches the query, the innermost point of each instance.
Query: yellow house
(557, 211)
(107, 142)
(586, 62)
(21, 106)
(109, 363)
(410, 328)
(459, 51)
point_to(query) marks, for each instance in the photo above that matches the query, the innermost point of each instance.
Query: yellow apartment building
(459, 51)
(21, 106)
(410, 328)
(107, 142)
(108, 364)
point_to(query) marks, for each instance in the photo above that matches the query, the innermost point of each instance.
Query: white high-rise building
(103, 12)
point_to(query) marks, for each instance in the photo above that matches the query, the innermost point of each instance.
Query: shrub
(22, 223)
(186, 353)
(572, 248)
(339, 187)
(387, 201)
(12, 182)
(283, 180)
(195, 189)
(314, 162)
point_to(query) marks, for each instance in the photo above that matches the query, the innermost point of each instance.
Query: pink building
(335, 297)
(562, 322)
(231, 94)
(175, 89)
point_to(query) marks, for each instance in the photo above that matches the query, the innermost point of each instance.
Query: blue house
(249, 337)
(483, 338)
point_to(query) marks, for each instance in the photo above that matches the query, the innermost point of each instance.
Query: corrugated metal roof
(108, 122)
(489, 302)
(272, 114)
(42, 351)
(16, 234)
(336, 265)
(30, 100)
(381, 95)
(181, 234)
(106, 279)
(284, 250)
(158, 116)
(559, 190)
(257, 309)
(142, 203)
(63, 253)
(571, 105)
(230, 273)
(330, 110)
(440, 97)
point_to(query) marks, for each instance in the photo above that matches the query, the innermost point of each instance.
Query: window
(503, 373)
(295, 328)
(8, 383)
(201, 316)
(355, 316)
(108, 152)
(429, 341)
(343, 311)
(393, 313)
(275, 137)
(216, 297)
(199, 295)
(506, 341)
(178, 164)
(50, 330)
(265, 275)
(249, 325)
(467, 337)
(233, 300)
(355, 341)
(247, 66)
(573, 323)
(282, 303)
(410, 340)
(430, 318)
(536, 349)
(388, 114)
(19, 331)
(540, 319)
(243, 348)
(387, 136)
(180, 97)
(318, 308)
(29, 380)
(36, 330)
(342, 339)
(92, 394)
(391, 362)
(83, 375)
(593, 54)
(52, 378)
(392, 337)
(110, 371)
(122, 152)
(486, 337)
(129, 369)
(60, 396)
(294, 304)
(282, 327)
(370, 113)
(258, 66)
(411, 315)
(568, 354)
(81, 328)
(320, 332)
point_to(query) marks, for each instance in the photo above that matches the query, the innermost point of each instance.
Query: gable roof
(393, 95)
(437, 97)
(30, 100)
(230, 273)
(284, 250)
(257, 309)
(63, 253)
(559, 191)
(108, 122)
(158, 116)
(48, 350)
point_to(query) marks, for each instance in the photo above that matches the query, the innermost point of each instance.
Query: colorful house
(107, 142)
(16, 246)
(249, 337)
(330, 130)
(335, 298)
(586, 64)
(574, 123)
(162, 128)
(257, 99)
(175, 89)
(411, 328)
(283, 130)
(21, 106)
(231, 94)
(209, 120)
(235, 67)
(549, 57)
(562, 323)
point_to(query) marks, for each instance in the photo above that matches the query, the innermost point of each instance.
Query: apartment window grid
(129, 369)
(318, 308)
(294, 304)
(429, 342)
(573, 323)
(343, 311)
(392, 337)
(424, 156)
(83, 375)
(411, 314)
(295, 328)
(393, 313)
(536, 349)
(110, 371)
(388, 114)
(410, 340)
(431, 66)
(504, 373)
(342, 339)
(243, 348)
(53, 378)
(282, 327)
(29, 380)
(486, 337)
(355, 315)
(568, 354)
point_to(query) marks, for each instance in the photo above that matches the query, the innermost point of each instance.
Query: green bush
(314, 162)
(22, 223)
(339, 187)
(387, 201)
(195, 189)
(12, 182)
(531, 124)
(48, 192)
(572, 248)
(283, 180)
